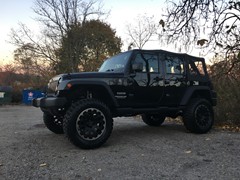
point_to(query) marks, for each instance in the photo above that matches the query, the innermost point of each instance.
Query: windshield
(116, 63)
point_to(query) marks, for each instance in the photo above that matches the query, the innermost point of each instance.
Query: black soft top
(184, 55)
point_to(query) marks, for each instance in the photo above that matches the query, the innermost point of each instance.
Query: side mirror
(137, 67)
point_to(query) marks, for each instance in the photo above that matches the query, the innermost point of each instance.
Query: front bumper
(48, 102)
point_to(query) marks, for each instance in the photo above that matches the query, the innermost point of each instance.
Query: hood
(91, 75)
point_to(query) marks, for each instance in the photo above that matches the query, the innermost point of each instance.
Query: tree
(227, 83)
(70, 51)
(29, 63)
(7, 75)
(41, 46)
(56, 17)
(141, 33)
(24, 58)
(100, 42)
(86, 46)
(60, 15)
(207, 23)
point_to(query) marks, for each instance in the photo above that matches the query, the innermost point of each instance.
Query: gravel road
(134, 151)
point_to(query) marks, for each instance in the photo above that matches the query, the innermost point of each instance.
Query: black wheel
(53, 123)
(153, 119)
(88, 123)
(198, 116)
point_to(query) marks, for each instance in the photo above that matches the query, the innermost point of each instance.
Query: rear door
(175, 78)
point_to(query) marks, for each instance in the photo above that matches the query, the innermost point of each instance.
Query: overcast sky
(122, 12)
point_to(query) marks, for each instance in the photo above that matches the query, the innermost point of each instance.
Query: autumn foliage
(226, 78)
(10, 75)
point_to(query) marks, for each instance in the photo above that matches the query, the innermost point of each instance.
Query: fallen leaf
(188, 152)
(99, 170)
(43, 164)
(162, 23)
(207, 139)
(201, 42)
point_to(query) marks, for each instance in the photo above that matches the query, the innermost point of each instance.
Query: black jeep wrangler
(152, 83)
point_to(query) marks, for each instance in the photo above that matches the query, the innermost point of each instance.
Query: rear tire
(153, 119)
(53, 123)
(88, 123)
(198, 116)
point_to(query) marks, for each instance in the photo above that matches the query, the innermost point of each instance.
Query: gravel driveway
(134, 151)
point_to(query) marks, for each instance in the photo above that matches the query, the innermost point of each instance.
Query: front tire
(153, 119)
(53, 123)
(88, 123)
(198, 116)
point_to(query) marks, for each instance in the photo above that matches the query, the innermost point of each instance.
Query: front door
(147, 86)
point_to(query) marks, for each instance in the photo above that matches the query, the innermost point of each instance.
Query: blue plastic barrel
(29, 95)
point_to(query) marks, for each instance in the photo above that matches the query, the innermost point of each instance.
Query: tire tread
(68, 122)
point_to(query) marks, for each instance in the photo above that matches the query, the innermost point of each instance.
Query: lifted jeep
(152, 83)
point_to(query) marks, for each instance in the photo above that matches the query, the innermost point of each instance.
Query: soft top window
(196, 67)
(149, 61)
(174, 65)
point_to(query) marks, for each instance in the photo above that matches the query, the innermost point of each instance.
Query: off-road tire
(52, 123)
(153, 119)
(198, 116)
(88, 123)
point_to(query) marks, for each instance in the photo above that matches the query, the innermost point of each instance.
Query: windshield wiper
(109, 70)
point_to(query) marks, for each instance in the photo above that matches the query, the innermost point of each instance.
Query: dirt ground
(28, 150)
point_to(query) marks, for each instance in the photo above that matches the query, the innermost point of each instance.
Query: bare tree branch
(189, 20)
(57, 17)
(141, 33)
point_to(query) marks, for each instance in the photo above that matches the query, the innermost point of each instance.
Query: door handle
(157, 79)
(167, 82)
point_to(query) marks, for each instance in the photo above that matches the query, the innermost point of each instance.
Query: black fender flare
(188, 94)
(73, 83)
